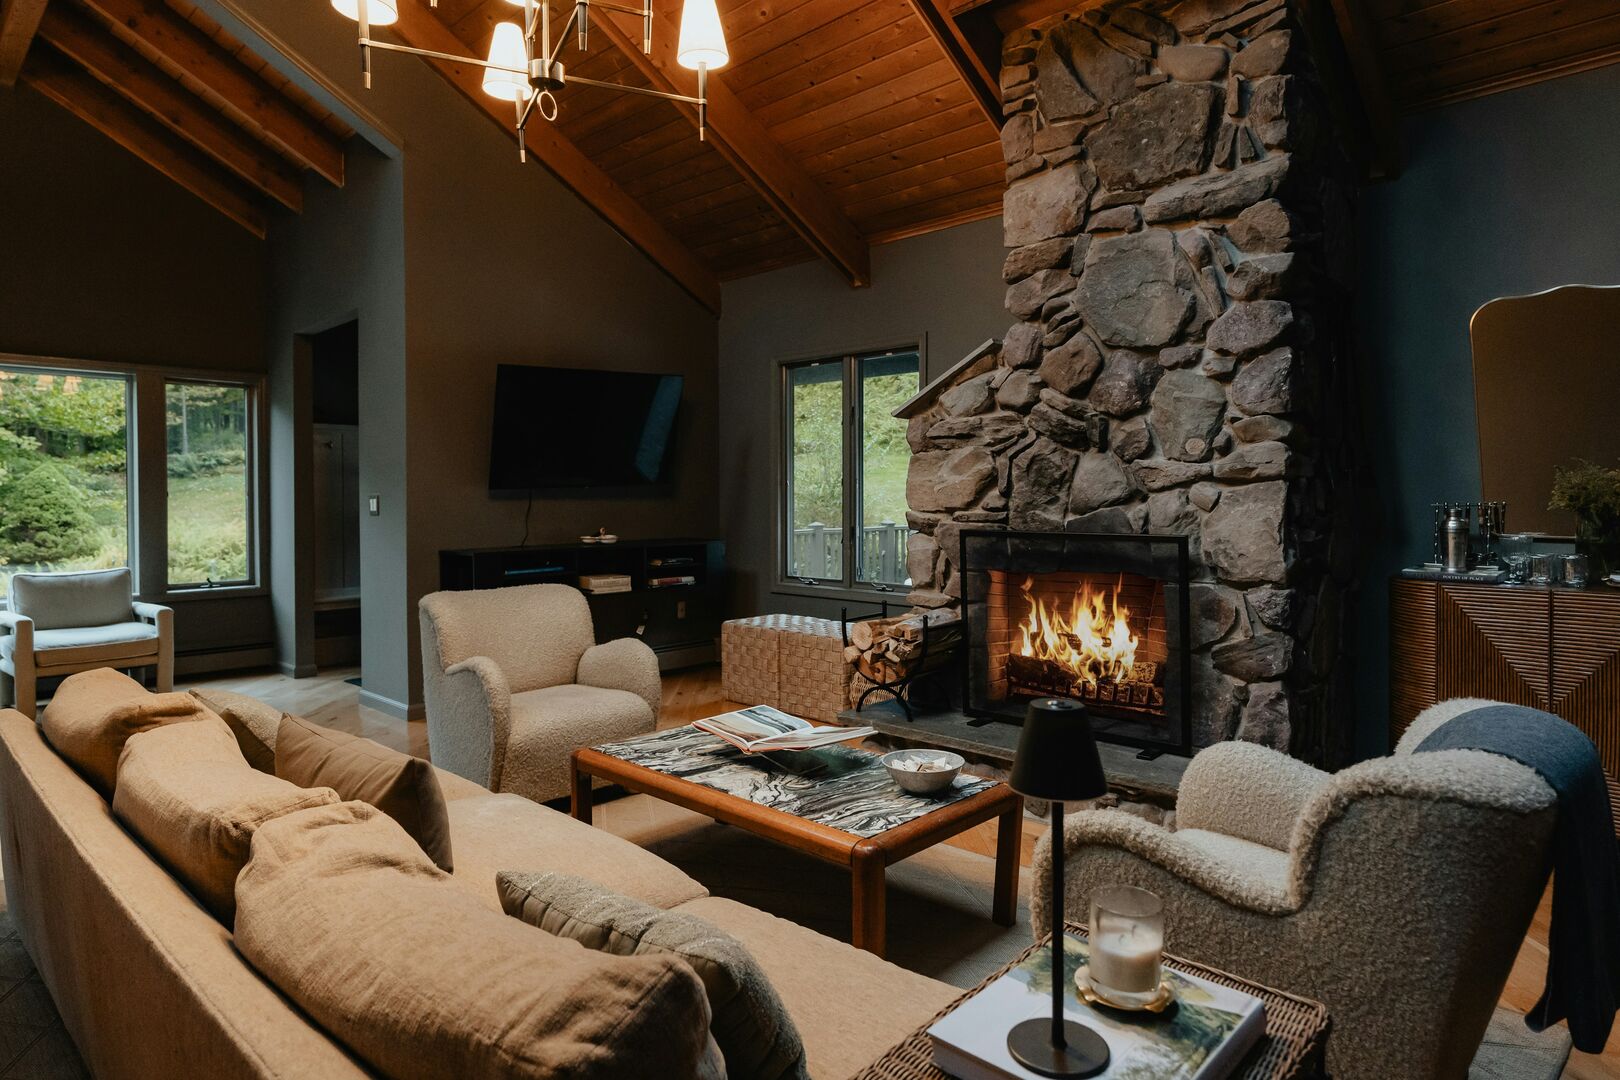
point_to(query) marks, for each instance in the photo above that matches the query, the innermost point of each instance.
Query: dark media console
(681, 622)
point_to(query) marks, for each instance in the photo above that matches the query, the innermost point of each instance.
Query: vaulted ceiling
(837, 125)
(167, 84)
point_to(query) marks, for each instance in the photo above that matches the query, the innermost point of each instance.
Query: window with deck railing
(845, 469)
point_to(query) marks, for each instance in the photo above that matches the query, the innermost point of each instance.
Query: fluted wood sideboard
(1552, 649)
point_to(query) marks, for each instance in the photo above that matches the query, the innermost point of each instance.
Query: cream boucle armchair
(1396, 892)
(515, 683)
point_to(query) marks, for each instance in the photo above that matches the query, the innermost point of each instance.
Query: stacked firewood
(887, 650)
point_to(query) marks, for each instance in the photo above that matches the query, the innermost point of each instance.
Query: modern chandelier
(523, 65)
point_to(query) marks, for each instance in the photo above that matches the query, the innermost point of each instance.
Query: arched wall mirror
(1546, 391)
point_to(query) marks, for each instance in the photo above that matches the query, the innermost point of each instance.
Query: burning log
(1049, 678)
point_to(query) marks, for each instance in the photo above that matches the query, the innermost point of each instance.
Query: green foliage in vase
(1592, 493)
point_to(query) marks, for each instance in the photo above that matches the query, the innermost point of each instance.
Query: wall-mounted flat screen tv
(567, 431)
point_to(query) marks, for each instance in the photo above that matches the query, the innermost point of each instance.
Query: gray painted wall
(1507, 194)
(943, 291)
(104, 258)
(501, 265)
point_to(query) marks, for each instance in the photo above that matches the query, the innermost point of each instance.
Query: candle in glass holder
(1127, 944)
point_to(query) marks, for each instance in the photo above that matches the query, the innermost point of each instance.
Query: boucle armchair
(1396, 892)
(515, 683)
(63, 623)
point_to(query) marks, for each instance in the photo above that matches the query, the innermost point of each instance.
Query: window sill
(895, 595)
(219, 592)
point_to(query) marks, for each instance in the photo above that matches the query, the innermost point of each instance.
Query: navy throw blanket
(1583, 962)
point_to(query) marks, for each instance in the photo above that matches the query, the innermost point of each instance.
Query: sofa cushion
(343, 912)
(548, 725)
(88, 644)
(750, 1024)
(850, 1006)
(191, 797)
(85, 598)
(252, 722)
(401, 786)
(94, 712)
(492, 833)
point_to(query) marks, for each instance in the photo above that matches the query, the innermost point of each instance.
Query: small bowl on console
(923, 772)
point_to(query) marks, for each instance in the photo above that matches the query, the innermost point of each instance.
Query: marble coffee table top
(839, 786)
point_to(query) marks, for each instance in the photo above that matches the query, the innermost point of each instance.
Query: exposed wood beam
(1361, 49)
(19, 19)
(146, 85)
(153, 28)
(57, 78)
(744, 142)
(420, 28)
(973, 46)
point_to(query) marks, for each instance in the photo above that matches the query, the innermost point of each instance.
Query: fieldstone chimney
(1178, 268)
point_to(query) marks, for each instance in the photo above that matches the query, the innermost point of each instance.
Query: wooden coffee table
(839, 805)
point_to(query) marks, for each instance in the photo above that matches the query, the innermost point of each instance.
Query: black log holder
(902, 690)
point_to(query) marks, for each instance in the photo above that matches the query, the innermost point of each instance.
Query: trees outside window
(208, 488)
(845, 469)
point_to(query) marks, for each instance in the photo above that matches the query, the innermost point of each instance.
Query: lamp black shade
(1057, 755)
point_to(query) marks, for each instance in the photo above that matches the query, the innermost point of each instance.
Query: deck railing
(818, 552)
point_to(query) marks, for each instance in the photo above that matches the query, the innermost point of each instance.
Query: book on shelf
(605, 583)
(760, 729)
(1204, 1036)
(670, 579)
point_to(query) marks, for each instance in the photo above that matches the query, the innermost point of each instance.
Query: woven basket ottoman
(793, 662)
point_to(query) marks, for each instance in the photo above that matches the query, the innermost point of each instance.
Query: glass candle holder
(1127, 944)
(1544, 569)
(1576, 571)
(1516, 549)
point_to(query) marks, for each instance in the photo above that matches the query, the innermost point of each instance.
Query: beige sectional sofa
(150, 984)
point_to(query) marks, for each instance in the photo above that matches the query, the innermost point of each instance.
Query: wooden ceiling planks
(1440, 51)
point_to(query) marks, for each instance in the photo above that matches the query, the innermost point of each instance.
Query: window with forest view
(64, 480)
(208, 483)
(846, 468)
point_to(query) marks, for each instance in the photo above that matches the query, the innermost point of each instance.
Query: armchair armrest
(21, 627)
(469, 734)
(1122, 839)
(157, 614)
(1246, 790)
(625, 664)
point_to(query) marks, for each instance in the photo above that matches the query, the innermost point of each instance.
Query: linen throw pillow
(345, 915)
(400, 785)
(93, 714)
(188, 793)
(252, 722)
(750, 1023)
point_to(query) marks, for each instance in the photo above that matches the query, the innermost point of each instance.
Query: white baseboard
(397, 709)
(297, 671)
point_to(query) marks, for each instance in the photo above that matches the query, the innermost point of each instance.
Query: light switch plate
(374, 505)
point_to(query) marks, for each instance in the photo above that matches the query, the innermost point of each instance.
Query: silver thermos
(1454, 542)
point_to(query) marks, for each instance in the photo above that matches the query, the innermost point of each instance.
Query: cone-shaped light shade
(378, 12)
(506, 49)
(1057, 756)
(703, 40)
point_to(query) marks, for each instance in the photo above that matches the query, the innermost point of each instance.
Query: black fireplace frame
(1178, 610)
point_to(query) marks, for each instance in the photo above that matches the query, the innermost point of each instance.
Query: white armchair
(62, 623)
(1396, 891)
(515, 683)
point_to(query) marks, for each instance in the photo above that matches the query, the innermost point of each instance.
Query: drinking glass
(1576, 571)
(1516, 549)
(1127, 944)
(1544, 569)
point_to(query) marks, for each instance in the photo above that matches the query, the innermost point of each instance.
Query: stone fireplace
(1101, 618)
(1177, 264)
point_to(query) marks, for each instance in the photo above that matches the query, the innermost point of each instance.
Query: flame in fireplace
(1093, 639)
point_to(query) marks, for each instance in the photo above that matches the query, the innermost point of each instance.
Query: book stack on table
(604, 583)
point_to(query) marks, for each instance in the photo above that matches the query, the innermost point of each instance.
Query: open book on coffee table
(761, 729)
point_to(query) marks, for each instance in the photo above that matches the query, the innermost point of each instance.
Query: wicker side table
(1291, 1049)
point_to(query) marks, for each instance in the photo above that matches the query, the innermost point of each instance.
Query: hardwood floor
(331, 699)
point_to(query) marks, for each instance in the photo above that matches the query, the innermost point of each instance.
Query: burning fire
(1093, 640)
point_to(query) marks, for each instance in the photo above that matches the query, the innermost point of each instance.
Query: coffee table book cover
(1202, 1037)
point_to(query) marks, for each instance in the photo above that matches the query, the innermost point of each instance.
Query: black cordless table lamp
(1057, 761)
